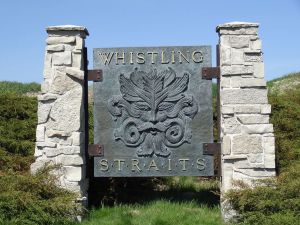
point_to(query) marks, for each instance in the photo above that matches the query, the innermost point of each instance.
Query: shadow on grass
(112, 191)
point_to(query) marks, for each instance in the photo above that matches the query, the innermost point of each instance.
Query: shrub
(27, 199)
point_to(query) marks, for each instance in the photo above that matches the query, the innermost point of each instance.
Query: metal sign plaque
(153, 112)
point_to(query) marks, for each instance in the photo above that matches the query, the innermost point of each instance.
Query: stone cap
(67, 28)
(236, 25)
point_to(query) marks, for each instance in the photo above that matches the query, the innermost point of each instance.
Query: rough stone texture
(60, 133)
(251, 119)
(248, 144)
(244, 96)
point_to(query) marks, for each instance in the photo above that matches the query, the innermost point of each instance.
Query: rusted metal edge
(211, 148)
(95, 75)
(209, 73)
(96, 150)
(214, 149)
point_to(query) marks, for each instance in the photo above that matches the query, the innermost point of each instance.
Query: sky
(136, 23)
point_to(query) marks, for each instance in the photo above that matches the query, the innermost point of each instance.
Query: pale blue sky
(144, 23)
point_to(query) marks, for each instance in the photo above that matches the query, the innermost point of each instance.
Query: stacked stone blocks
(248, 149)
(60, 130)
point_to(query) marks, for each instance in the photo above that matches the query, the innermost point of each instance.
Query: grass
(172, 200)
(160, 212)
(19, 88)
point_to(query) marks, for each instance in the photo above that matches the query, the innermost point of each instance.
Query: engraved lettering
(106, 57)
(103, 165)
(131, 58)
(169, 165)
(199, 58)
(163, 58)
(173, 56)
(153, 165)
(183, 163)
(181, 55)
(201, 164)
(153, 54)
(120, 58)
(120, 163)
(140, 58)
(135, 164)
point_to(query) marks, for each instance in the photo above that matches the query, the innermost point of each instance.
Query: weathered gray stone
(79, 43)
(68, 28)
(253, 119)
(256, 44)
(269, 145)
(60, 40)
(236, 70)
(55, 48)
(62, 58)
(258, 128)
(255, 158)
(243, 82)
(43, 112)
(265, 109)
(269, 161)
(225, 56)
(47, 66)
(246, 144)
(40, 133)
(70, 150)
(77, 60)
(256, 173)
(227, 110)
(237, 56)
(67, 111)
(45, 144)
(238, 28)
(78, 138)
(253, 57)
(62, 83)
(225, 82)
(39, 164)
(45, 86)
(231, 126)
(70, 160)
(75, 72)
(226, 145)
(73, 173)
(259, 69)
(57, 133)
(64, 141)
(244, 96)
(47, 97)
(239, 41)
(247, 109)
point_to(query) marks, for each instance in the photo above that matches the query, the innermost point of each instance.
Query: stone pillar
(61, 124)
(248, 149)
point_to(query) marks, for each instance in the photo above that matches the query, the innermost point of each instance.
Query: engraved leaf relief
(153, 111)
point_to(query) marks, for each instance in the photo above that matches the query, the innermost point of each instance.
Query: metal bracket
(214, 149)
(209, 73)
(96, 150)
(95, 75)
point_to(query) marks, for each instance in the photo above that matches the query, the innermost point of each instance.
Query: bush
(18, 122)
(27, 199)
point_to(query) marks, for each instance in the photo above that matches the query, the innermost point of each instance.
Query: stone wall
(248, 148)
(60, 130)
